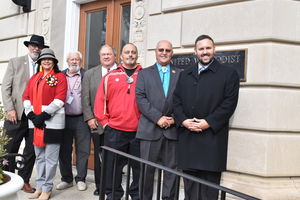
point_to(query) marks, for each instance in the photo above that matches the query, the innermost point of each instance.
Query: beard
(34, 55)
(205, 62)
(74, 68)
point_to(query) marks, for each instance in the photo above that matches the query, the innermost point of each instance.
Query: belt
(74, 115)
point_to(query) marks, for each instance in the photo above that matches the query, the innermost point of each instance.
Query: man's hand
(12, 116)
(93, 124)
(165, 122)
(203, 123)
(196, 125)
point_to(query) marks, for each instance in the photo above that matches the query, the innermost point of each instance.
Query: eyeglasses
(162, 50)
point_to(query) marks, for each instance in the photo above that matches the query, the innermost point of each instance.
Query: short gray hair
(108, 45)
(77, 52)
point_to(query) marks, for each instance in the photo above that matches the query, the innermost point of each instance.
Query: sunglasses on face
(166, 50)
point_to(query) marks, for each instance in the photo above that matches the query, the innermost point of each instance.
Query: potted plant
(10, 183)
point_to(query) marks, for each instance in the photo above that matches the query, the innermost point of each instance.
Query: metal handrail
(144, 162)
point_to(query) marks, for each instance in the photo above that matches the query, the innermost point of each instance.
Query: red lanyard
(71, 90)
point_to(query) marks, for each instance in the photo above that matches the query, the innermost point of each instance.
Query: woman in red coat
(44, 99)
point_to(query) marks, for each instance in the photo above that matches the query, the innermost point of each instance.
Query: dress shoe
(27, 188)
(45, 196)
(64, 185)
(35, 195)
(96, 192)
(81, 186)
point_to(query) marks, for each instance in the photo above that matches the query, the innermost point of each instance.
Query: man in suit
(17, 74)
(91, 81)
(75, 128)
(116, 110)
(205, 97)
(156, 130)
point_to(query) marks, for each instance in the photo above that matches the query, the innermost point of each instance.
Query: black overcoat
(212, 96)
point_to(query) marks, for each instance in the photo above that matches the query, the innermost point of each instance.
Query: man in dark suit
(91, 81)
(17, 74)
(205, 97)
(156, 130)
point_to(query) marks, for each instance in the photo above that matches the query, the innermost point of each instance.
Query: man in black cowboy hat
(18, 72)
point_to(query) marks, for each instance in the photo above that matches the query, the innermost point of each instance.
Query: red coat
(53, 99)
(115, 102)
(50, 92)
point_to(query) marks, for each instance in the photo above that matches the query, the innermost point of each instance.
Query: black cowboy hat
(37, 40)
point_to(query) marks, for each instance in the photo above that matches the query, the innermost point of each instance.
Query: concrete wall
(16, 26)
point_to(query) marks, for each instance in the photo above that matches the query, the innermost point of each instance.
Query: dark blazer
(89, 89)
(153, 104)
(212, 96)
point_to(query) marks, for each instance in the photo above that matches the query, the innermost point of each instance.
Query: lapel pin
(173, 71)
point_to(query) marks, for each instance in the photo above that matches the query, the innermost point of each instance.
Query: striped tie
(201, 69)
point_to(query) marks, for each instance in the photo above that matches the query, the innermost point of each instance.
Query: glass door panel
(125, 25)
(95, 36)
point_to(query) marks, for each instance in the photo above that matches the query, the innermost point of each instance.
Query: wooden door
(102, 22)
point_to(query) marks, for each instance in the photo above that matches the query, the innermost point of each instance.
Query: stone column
(138, 27)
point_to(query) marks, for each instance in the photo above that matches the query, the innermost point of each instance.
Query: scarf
(39, 82)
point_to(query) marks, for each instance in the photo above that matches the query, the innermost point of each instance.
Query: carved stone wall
(138, 27)
(44, 19)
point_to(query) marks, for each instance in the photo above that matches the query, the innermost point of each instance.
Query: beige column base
(266, 188)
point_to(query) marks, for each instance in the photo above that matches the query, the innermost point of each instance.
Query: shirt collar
(204, 66)
(72, 75)
(30, 59)
(159, 67)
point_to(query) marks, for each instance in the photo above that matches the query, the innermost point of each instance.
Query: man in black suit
(156, 130)
(205, 97)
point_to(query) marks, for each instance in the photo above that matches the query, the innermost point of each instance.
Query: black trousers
(98, 141)
(195, 191)
(76, 128)
(17, 132)
(126, 142)
(162, 151)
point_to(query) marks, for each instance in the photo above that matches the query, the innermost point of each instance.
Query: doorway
(102, 22)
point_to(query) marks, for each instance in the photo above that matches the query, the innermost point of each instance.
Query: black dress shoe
(96, 192)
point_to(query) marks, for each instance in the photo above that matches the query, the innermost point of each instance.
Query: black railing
(143, 162)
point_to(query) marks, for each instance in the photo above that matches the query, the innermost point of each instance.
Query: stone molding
(138, 27)
(44, 19)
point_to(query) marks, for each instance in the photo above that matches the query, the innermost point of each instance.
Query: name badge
(70, 99)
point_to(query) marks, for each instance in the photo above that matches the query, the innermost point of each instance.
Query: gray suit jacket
(14, 84)
(90, 83)
(153, 104)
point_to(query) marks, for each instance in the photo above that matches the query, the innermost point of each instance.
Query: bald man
(156, 130)
(116, 110)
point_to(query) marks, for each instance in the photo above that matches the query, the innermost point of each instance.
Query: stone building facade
(264, 153)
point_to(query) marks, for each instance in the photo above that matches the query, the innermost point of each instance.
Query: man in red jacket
(116, 109)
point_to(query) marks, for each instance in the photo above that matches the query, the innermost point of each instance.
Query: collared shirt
(201, 68)
(104, 70)
(32, 66)
(73, 101)
(164, 73)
